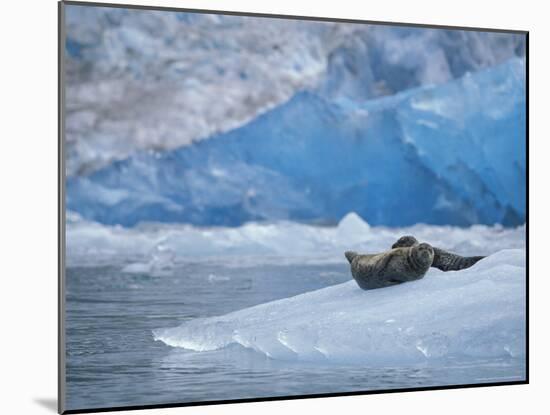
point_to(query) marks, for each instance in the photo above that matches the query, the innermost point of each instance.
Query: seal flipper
(447, 261)
(350, 255)
(386, 260)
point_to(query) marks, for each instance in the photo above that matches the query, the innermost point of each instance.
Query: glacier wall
(448, 154)
(477, 314)
(138, 80)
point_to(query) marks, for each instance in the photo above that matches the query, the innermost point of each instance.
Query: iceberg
(452, 154)
(474, 313)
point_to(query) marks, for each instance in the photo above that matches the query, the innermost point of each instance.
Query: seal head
(421, 256)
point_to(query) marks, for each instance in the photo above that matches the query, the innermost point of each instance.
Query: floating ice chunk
(138, 268)
(478, 312)
(353, 227)
(160, 246)
(213, 278)
(161, 262)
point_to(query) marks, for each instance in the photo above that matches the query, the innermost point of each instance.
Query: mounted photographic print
(258, 207)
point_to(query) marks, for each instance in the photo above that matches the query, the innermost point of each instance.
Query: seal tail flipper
(468, 261)
(350, 255)
(447, 261)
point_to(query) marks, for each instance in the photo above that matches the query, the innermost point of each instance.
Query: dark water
(112, 359)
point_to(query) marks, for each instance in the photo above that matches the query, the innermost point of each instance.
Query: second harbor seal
(443, 260)
(389, 268)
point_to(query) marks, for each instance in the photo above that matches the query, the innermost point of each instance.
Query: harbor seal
(399, 265)
(443, 260)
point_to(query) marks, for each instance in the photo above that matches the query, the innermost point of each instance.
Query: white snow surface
(473, 313)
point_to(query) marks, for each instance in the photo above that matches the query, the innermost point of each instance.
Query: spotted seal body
(399, 265)
(443, 260)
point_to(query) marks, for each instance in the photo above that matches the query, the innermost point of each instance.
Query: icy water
(113, 360)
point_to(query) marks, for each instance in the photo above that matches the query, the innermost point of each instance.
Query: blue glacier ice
(143, 79)
(450, 154)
